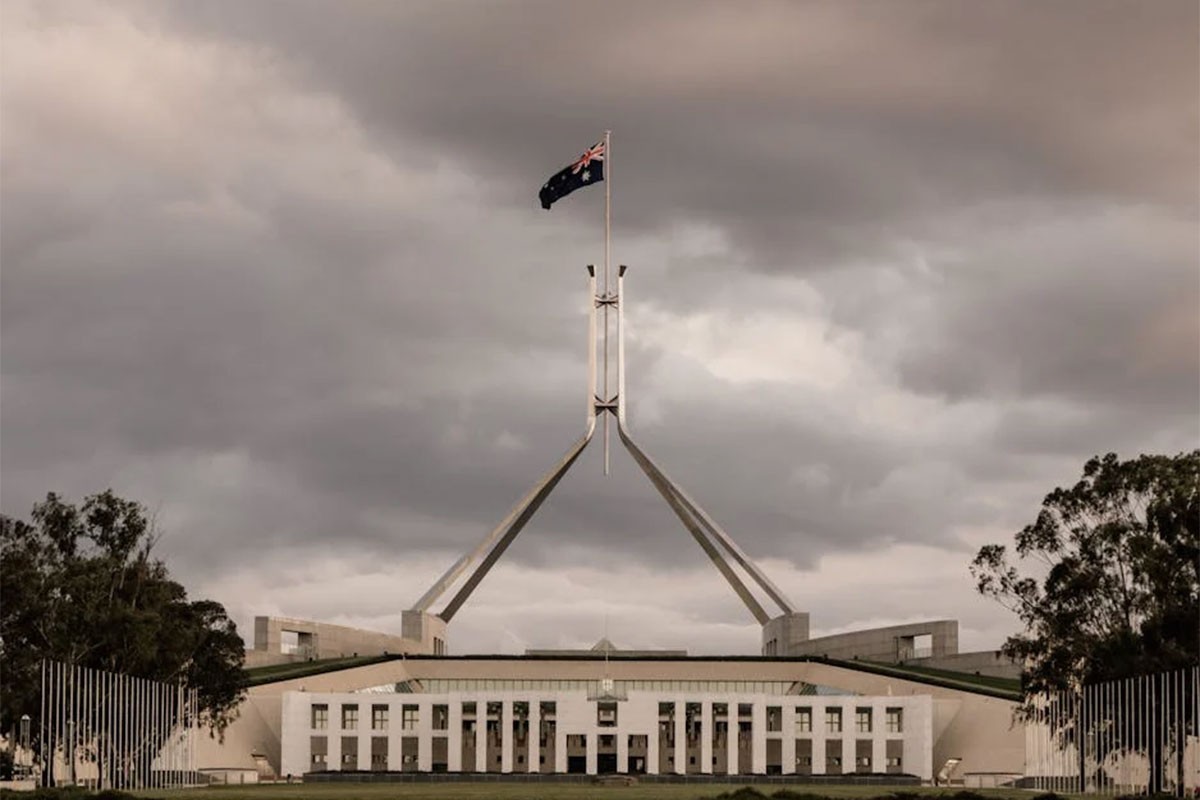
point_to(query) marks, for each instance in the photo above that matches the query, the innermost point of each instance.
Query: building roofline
(947, 679)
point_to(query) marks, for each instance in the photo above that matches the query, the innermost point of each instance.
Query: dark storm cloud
(278, 271)
(804, 129)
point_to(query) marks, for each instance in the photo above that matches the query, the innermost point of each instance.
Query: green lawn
(531, 791)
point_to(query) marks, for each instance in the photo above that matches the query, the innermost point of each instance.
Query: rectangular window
(862, 720)
(803, 720)
(893, 761)
(606, 714)
(863, 763)
(319, 751)
(895, 720)
(441, 718)
(833, 720)
(349, 717)
(320, 717)
(379, 718)
(408, 717)
(774, 719)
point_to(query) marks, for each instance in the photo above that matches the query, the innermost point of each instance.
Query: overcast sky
(278, 270)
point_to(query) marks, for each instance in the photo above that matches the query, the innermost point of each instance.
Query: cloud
(279, 274)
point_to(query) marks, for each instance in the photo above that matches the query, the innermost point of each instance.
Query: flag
(583, 171)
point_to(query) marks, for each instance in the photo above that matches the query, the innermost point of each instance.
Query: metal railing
(1138, 735)
(105, 730)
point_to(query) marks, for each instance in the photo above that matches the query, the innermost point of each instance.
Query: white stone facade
(653, 732)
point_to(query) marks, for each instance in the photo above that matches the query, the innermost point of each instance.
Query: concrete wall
(889, 645)
(323, 640)
(781, 635)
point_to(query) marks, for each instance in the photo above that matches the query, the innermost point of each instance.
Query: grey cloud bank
(280, 273)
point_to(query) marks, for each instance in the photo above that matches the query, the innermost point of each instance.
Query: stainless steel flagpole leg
(607, 256)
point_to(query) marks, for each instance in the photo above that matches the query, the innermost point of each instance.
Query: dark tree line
(1107, 587)
(82, 587)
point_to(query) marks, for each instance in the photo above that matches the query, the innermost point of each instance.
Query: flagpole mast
(607, 251)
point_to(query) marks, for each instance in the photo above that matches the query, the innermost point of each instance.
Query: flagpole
(607, 251)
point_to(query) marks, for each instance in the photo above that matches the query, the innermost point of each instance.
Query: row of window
(444, 685)
(862, 763)
(863, 720)
(606, 716)
(378, 755)
(409, 716)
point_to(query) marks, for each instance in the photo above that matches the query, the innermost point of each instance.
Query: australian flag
(584, 171)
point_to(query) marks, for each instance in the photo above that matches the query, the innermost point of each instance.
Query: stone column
(506, 722)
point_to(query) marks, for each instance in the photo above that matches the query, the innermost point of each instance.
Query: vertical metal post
(42, 724)
(607, 252)
(621, 344)
(73, 701)
(591, 339)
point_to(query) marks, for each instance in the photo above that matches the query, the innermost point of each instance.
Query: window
(441, 717)
(862, 720)
(606, 714)
(803, 720)
(349, 717)
(408, 718)
(349, 753)
(895, 720)
(320, 717)
(318, 762)
(863, 763)
(833, 720)
(379, 718)
(893, 761)
(834, 761)
(803, 761)
(774, 719)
